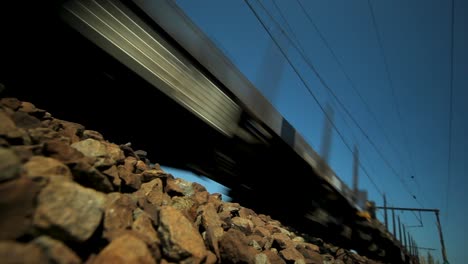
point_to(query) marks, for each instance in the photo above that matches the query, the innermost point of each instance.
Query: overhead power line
(352, 85)
(305, 83)
(449, 159)
(310, 65)
(392, 88)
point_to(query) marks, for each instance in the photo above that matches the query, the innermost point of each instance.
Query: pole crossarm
(439, 227)
(408, 209)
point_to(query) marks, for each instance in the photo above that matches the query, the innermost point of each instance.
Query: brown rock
(140, 166)
(273, 257)
(232, 208)
(62, 151)
(18, 136)
(151, 174)
(291, 254)
(260, 241)
(201, 198)
(210, 219)
(242, 224)
(123, 250)
(15, 253)
(39, 167)
(246, 213)
(234, 248)
(10, 164)
(150, 209)
(89, 176)
(143, 226)
(212, 224)
(26, 152)
(310, 253)
(153, 192)
(114, 152)
(99, 149)
(261, 231)
(31, 109)
(113, 173)
(129, 179)
(69, 211)
(10, 102)
(282, 241)
(41, 134)
(182, 203)
(17, 204)
(198, 187)
(173, 189)
(92, 134)
(329, 259)
(118, 214)
(180, 240)
(216, 200)
(308, 246)
(26, 121)
(257, 221)
(68, 129)
(56, 251)
(211, 258)
(6, 123)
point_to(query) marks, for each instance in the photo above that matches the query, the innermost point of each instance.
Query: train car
(142, 71)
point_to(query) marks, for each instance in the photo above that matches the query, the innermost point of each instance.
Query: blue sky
(416, 42)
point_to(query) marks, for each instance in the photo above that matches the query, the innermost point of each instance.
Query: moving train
(142, 71)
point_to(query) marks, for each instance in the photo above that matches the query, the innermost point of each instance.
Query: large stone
(91, 148)
(213, 226)
(113, 173)
(180, 240)
(60, 150)
(89, 176)
(143, 225)
(31, 109)
(151, 174)
(17, 204)
(6, 123)
(118, 214)
(43, 167)
(56, 251)
(153, 192)
(179, 187)
(273, 257)
(129, 179)
(234, 248)
(282, 241)
(10, 164)
(69, 211)
(41, 134)
(16, 253)
(10, 102)
(92, 134)
(126, 249)
(291, 255)
(242, 224)
(26, 121)
(114, 151)
(68, 129)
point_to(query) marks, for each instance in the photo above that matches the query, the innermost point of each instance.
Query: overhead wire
(306, 85)
(449, 159)
(310, 65)
(392, 88)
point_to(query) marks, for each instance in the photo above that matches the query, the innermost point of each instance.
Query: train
(142, 71)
